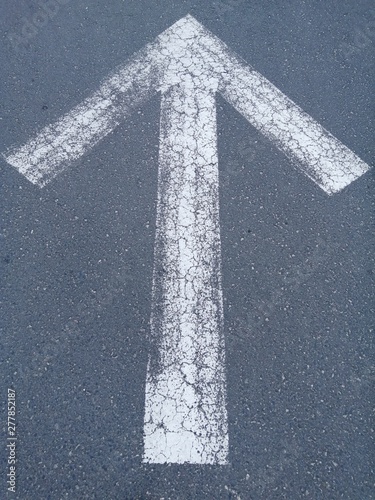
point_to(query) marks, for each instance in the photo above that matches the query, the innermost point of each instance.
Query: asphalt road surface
(294, 391)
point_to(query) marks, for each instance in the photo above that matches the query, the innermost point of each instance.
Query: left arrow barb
(185, 408)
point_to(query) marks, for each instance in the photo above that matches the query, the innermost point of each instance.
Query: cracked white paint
(185, 411)
(316, 152)
(185, 414)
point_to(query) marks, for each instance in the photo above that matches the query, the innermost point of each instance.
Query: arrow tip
(187, 20)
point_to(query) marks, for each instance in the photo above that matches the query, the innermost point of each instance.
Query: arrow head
(188, 53)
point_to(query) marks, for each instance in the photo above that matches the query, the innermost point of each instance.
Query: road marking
(185, 407)
(185, 418)
(320, 155)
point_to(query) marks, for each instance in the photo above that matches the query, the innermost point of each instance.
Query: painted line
(315, 151)
(321, 156)
(185, 406)
(185, 412)
(59, 145)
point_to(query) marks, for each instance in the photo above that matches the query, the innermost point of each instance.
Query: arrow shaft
(185, 412)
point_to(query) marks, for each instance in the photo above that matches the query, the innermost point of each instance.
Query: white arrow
(185, 409)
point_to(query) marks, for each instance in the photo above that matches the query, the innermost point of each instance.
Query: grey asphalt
(298, 266)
